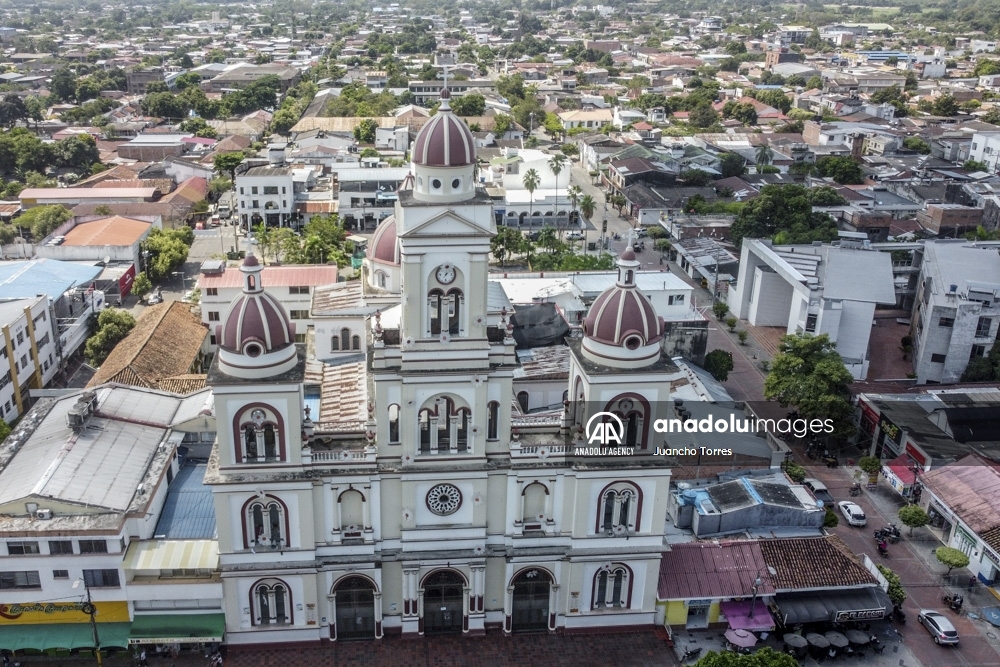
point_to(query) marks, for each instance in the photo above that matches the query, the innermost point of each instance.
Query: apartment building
(29, 350)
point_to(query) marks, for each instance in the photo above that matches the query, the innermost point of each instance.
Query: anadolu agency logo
(605, 432)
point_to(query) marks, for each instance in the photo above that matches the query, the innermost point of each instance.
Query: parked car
(853, 513)
(939, 626)
(574, 235)
(154, 298)
(818, 489)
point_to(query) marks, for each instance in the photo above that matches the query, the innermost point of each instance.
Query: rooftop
(114, 230)
(43, 276)
(188, 512)
(712, 570)
(814, 563)
(275, 276)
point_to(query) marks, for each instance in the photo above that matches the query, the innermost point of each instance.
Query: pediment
(447, 223)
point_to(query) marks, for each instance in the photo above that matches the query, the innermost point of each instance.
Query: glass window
(22, 548)
(253, 190)
(93, 546)
(26, 579)
(60, 546)
(213, 316)
(212, 291)
(101, 578)
(60, 574)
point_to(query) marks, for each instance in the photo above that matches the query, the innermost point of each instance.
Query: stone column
(378, 615)
(420, 612)
(553, 600)
(508, 610)
(519, 503)
(335, 529)
(332, 597)
(465, 609)
(550, 502)
(366, 507)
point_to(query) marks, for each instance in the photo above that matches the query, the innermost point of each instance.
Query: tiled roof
(165, 343)
(183, 385)
(814, 562)
(343, 393)
(192, 190)
(970, 487)
(712, 570)
(276, 276)
(339, 296)
(114, 230)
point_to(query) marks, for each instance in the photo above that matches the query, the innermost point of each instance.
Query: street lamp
(756, 588)
(89, 609)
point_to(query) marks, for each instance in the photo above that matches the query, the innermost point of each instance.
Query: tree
(364, 132)
(587, 206)
(841, 169)
(43, 220)
(814, 82)
(226, 163)
(502, 123)
(895, 591)
(507, 243)
(556, 164)
(763, 155)
(719, 363)
(808, 373)
(574, 193)
(951, 558)
(720, 309)
(783, 213)
(703, 116)
(913, 516)
(168, 250)
(113, 324)
(830, 519)
(473, 104)
(763, 657)
(975, 165)
(870, 464)
(945, 105)
(732, 164)
(696, 178)
(824, 195)
(63, 85)
(916, 144)
(731, 322)
(530, 182)
(141, 285)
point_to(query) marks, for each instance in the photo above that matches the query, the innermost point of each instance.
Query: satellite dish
(107, 260)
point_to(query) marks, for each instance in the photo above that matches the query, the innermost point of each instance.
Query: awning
(156, 555)
(902, 468)
(44, 636)
(737, 613)
(177, 628)
(843, 605)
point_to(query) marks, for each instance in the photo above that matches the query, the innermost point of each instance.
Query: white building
(432, 506)
(30, 352)
(986, 149)
(266, 195)
(815, 289)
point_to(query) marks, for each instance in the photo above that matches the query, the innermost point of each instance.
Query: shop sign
(894, 481)
(915, 454)
(861, 614)
(889, 430)
(61, 612)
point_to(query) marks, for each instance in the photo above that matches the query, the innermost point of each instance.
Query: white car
(574, 235)
(853, 513)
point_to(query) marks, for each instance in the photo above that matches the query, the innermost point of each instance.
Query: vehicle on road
(853, 513)
(818, 489)
(574, 235)
(154, 297)
(223, 212)
(939, 626)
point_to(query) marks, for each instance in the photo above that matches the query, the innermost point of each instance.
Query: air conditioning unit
(43, 514)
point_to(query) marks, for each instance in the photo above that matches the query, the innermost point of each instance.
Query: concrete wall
(770, 300)
(686, 339)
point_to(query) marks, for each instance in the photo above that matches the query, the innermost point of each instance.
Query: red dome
(445, 141)
(383, 247)
(256, 318)
(620, 313)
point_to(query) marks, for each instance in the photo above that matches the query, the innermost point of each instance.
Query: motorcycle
(954, 602)
(889, 533)
(691, 654)
(856, 489)
(883, 551)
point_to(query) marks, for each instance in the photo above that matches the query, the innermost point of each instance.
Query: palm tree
(763, 156)
(531, 182)
(574, 194)
(587, 206)
(556, 164)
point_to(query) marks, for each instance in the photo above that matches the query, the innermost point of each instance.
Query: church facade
(439, 506)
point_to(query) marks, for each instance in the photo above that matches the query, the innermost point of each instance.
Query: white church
(426, 500)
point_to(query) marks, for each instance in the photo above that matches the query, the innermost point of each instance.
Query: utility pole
(89, 609)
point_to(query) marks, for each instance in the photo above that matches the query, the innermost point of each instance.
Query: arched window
(435, 303)
(492, 420)
(618, 510)
(355, 342)
(260, 436)
(522, 400)
(271, 603)
(335, 343)
(351, 507)
(380, 279)
(455, 301)
(266, 524)
(393, 424)
(462, 429)
(270, 442)
(612, 587)
(632, 412)
(444, 426)
(345, 339)
(534, 505)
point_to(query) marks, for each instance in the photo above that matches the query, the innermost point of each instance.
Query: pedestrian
(972, 582)
(142, 659)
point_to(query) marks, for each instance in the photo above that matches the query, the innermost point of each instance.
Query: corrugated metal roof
(173, 555)
(114, 230)
(712, 570)
(276, 276)
(21, 280)
(971, 489)
(188, 512)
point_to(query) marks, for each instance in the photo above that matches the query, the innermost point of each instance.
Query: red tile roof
(712, 570)
(111, 231)
(814, 563)
(276, 276)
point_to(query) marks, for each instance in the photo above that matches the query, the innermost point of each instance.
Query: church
(430, 500)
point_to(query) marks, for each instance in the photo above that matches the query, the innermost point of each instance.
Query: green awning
(43, 636)
(177, 628)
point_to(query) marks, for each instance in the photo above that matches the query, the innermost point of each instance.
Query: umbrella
(796, 641)
(837, 639)
(857, 637)
(741, 638)
(817, 640)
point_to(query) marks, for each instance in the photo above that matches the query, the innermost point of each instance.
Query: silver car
(939, 626)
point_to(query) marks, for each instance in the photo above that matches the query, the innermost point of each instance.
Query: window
(211, 339)
(260, 438)
(298, 289)
(213, 316)
(938, 358)
(619, 509)
(101, 578)
(253, 190)
(26, 579)
(44, 340)
(241, 190)
(300, 338)
(983, 327)
(211, 291)
(254, 203)
(299, 314)
(355, 342)
(270, 189)
(271, 603)
(283, 190)
(611, 587)
(345, 339)
(335, 343)
(60, 546)
(393, 424)
(20, 337)
(93, 546)
(676, 300)
(60, 574)
(492, 420)
(522, 400)
(811, 323)
(22, 548)
(946, 322)
(977, 351)
(265, 524)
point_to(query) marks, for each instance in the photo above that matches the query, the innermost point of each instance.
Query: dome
(383, 247)
(445, 140)
(256, 337)
(622, 329)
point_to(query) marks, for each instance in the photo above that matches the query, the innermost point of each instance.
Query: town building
(30, 351)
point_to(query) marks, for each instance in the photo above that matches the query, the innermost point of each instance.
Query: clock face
(445, 274)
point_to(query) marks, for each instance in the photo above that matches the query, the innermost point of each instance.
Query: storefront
(838, 606)
(61, 627)
(178, 629)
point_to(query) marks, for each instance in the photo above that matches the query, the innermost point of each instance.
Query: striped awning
(156, 555)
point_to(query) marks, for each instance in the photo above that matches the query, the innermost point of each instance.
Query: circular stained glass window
(444, 499)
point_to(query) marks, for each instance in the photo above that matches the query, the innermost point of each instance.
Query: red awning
(737, 613)
(902, 468)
